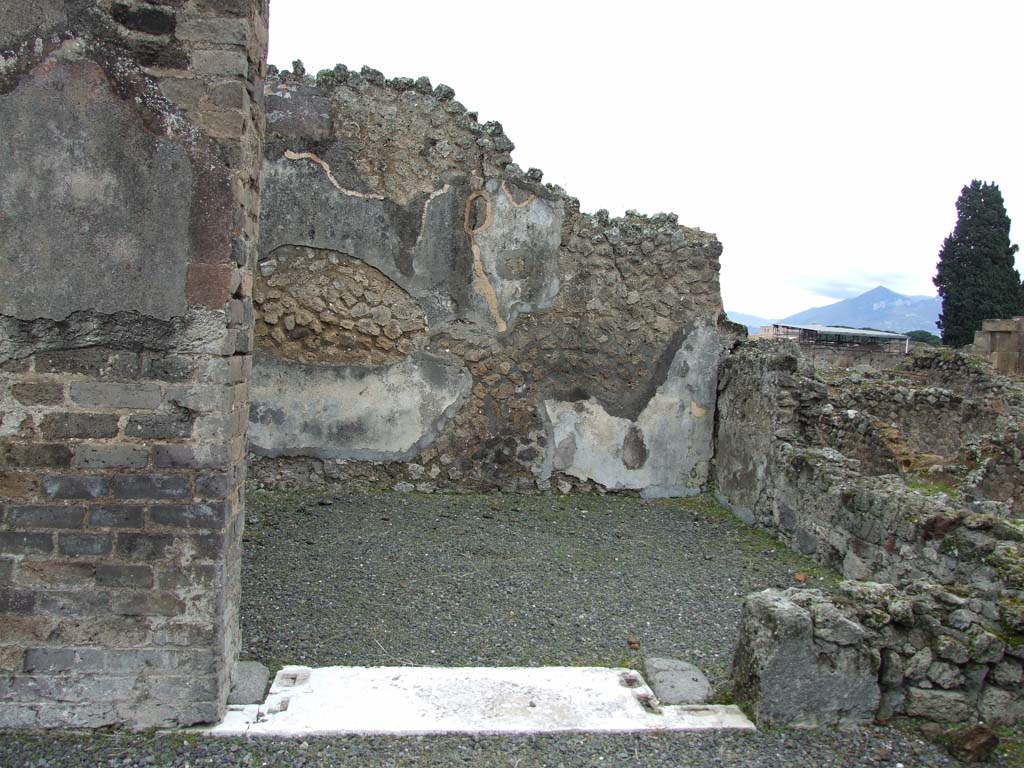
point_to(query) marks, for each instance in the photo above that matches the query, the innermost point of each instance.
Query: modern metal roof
(835, 330)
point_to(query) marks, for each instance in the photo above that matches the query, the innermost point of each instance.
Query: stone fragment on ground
(250, 683)
(676, 682)
(973, 744)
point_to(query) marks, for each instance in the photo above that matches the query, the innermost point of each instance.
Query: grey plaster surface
(352, 412)
(96, 215)
(666, 450)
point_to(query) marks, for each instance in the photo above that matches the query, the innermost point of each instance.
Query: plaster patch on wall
(517, 249)
(386, 413)
(481, 282)
(290, 155)
(97, 217)
(666, 451)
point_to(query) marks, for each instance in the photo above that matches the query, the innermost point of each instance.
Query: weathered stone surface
(973, 744)
(104, 188)
(790, 677)
(128, 225)
(347, 412)
(249, 683)
(673, 432)
(676, 682)
(393, 224)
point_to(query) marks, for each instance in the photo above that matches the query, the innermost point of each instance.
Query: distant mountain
(753, 322)
(879, 308)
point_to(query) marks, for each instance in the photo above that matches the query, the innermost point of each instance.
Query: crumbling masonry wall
(909, 483)
(129, 206)
(428, 315)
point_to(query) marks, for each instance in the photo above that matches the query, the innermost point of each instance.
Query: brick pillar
(129, 207)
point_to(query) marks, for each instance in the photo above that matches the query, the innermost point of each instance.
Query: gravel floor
(498, 580)
(871, 748)
(481, 579)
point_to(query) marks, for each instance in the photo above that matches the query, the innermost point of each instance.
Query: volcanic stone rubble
(920, 511)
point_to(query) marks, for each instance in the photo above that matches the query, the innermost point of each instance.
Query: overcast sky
(825, 143)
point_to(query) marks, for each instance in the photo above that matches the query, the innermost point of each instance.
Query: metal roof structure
(836, 330)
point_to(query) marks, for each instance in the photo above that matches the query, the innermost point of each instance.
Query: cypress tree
(976, 276)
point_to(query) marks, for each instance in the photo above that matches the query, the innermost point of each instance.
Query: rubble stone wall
(499, 337)
(867, 473)
(129, 213)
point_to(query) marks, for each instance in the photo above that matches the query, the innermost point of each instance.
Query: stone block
(56, 661)
(38, 392)
(116, 516)
(1001, 706)
(160, 426)
(16, 601)
(110, 456)
(174, 368)
(74, 486)
(21, 543)
(46, 516)
(15, 485)
(213, 29)
(59, 426)
(144, 19)
(180, 456)
(209, 516)
(676, 682)
(51, 573)
(150, 486)
(146, 547)
(221, 63)
(249, 683)
(130, 395)
(789, 679)
(85, 544)
(213, 486)
(89, 361)
(34, 455)
(148, 604)
(209, 285)
(118, 575)
(937, 705)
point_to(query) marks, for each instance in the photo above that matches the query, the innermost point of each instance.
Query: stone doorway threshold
(487, 700)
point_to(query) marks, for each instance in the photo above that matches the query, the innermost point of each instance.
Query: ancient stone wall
(427, 315)
(807, 659)
(129, 206)
(1002, 342)
(904, 477)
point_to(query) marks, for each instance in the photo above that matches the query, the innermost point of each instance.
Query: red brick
(209, 285)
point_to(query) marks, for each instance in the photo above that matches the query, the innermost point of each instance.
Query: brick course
(120, 503)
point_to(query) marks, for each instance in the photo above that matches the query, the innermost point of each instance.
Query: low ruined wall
(1002, 342)
(128, 224)
(822, 356)
(427, 315)
(806, 659)
(836, 468)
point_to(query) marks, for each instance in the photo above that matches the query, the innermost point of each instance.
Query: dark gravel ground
(871, 748)
(495, 580)
(368, 578)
